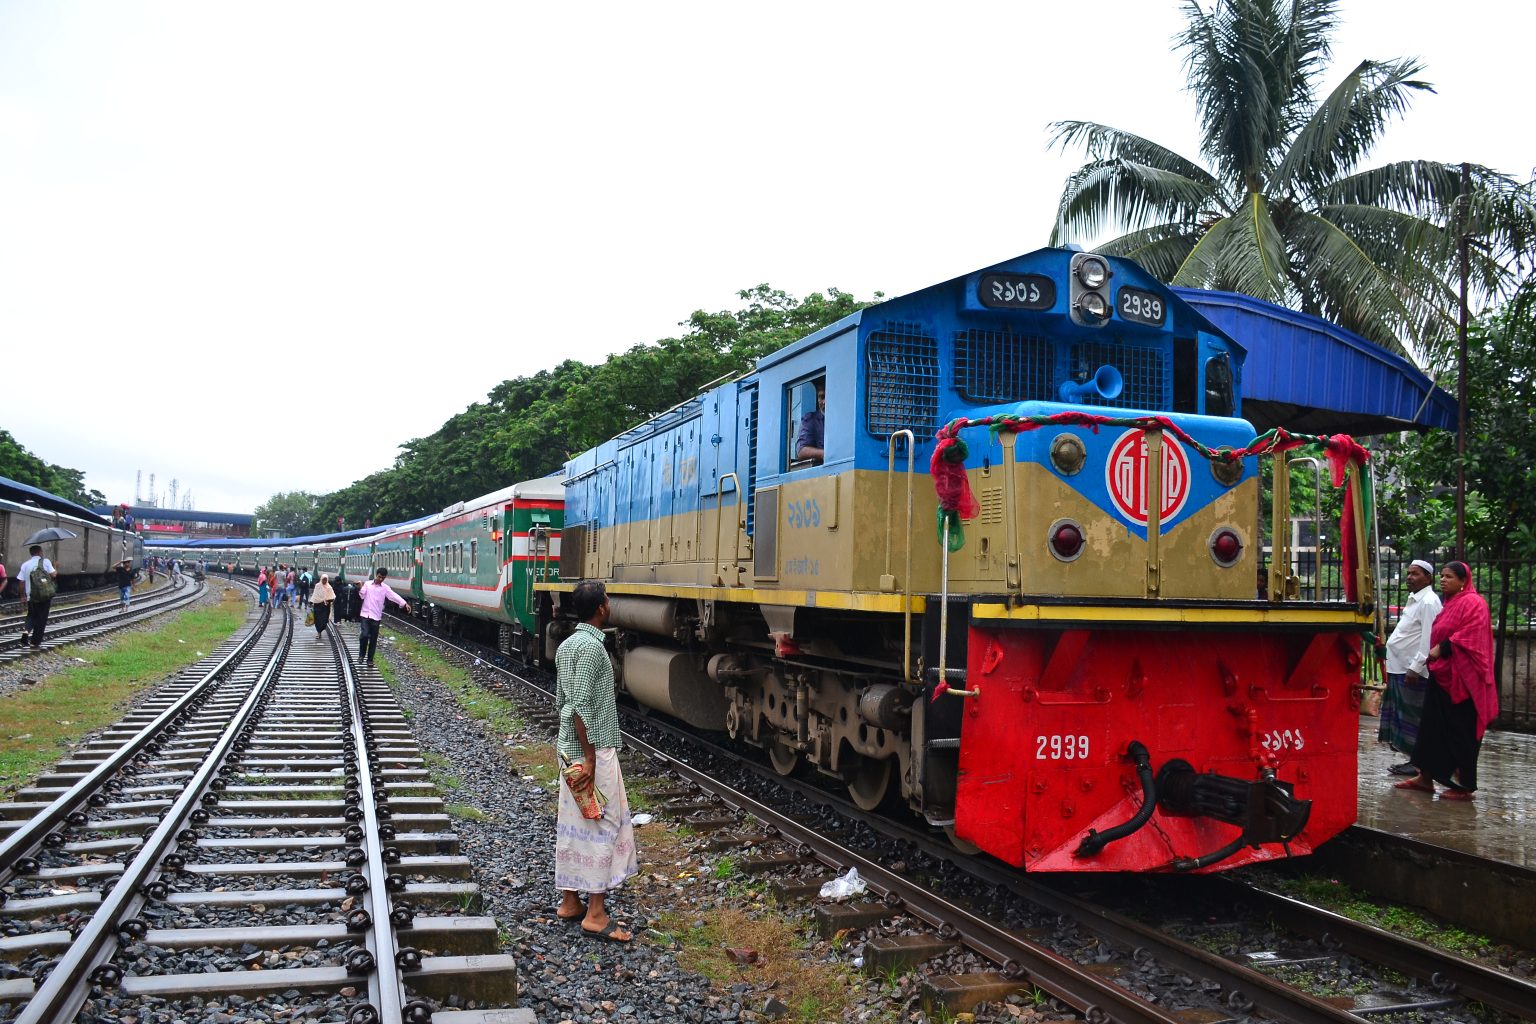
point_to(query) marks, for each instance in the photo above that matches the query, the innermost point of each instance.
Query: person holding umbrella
(39, 597)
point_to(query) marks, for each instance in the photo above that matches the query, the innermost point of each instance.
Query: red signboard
(161, 528)
(1125, 475)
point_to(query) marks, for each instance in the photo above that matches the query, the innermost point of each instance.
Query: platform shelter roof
(1308, 375)
(180, 515)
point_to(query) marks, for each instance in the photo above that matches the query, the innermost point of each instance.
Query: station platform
(1496, 825)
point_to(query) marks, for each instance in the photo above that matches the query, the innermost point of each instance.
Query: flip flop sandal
(1422, 787)
(607, 932)
(1455, 794)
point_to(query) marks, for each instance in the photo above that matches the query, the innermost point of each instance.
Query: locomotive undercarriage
(806, 686)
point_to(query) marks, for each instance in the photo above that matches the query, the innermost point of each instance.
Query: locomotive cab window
(1218, 386)
(805, 406)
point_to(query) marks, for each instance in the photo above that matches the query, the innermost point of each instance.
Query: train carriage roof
(26, 494)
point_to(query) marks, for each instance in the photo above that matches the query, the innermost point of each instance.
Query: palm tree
(1284, 212)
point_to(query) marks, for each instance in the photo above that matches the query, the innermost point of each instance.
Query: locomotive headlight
(1088, 288)
(1092, 271)
(1068, 454)
(1093, 304)
(1065, 539)
(1226, 547)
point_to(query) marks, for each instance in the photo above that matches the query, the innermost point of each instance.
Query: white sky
(321, 209)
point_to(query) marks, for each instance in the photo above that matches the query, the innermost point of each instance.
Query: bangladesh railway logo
(1126, 476)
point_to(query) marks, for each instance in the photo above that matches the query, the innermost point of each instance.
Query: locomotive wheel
(869, 782)
(783, 757)
(966, 847)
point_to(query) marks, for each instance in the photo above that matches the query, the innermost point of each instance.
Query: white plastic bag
(842, 888)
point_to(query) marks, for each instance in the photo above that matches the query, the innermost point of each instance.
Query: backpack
(43, 585)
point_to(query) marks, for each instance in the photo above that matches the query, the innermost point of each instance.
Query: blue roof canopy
(1306, 374)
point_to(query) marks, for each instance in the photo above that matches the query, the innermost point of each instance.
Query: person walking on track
(373, 595)
(320, 601)
(37, 578)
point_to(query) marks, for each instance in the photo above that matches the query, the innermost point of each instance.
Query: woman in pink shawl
(1458, 708)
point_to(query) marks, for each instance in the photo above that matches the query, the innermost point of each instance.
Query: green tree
(527, 427)
(287, 513)
(19, 464)
(1283, 210)
(1417, 511)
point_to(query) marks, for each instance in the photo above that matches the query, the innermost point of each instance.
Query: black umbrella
(51, 533)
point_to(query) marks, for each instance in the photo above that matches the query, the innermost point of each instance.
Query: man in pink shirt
(373, 595)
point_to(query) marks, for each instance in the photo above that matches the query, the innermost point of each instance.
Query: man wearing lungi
(594, 840)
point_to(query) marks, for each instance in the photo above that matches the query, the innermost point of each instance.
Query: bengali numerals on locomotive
(803, 514)
(1141, 307)
(1287, 739)
(1016, 291)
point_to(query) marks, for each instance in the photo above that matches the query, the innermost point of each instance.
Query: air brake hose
(1095, 841)
(1205, 861)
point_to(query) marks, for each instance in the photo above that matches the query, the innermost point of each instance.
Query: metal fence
(1508, 586)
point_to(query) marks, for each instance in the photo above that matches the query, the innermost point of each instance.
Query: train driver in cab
(810, 441)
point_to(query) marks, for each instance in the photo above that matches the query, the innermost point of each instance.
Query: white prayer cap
(1423, 565)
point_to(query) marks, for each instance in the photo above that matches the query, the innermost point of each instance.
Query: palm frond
(1103, 143)
(1352, 289)
(1125, 193)
(1424, 187)
(1250, 65)
(1344, 127)
(1199, 267)
(1160, 249)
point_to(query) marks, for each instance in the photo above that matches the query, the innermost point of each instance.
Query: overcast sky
(253, 247)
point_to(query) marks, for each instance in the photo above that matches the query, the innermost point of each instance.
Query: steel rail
(1444, 971)
(1244, 987)
(71, 624)
(24, 840)
(1097, 999)
(386, 990)
(61, 996)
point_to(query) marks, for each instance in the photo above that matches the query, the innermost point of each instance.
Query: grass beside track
(40, 723)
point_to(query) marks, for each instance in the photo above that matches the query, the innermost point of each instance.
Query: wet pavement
(1496, 824)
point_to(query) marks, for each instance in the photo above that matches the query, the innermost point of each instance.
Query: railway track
(92, 619)
(1041, 935)
(260, 833)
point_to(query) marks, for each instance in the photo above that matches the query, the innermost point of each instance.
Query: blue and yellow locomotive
(1075, 672)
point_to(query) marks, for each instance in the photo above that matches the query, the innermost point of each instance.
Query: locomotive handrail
(1154, 442)
(906, 579)
(1317, 518)
(720, 521)
(1282, 583)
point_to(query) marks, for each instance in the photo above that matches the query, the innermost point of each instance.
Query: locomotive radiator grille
(1001, 366)
(903, 364)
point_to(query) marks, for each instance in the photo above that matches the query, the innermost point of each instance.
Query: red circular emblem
(1125, 475)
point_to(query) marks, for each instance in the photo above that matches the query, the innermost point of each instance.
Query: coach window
(805, 404)
(474, 555)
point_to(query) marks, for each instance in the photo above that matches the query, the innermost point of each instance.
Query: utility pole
(1461, 366)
